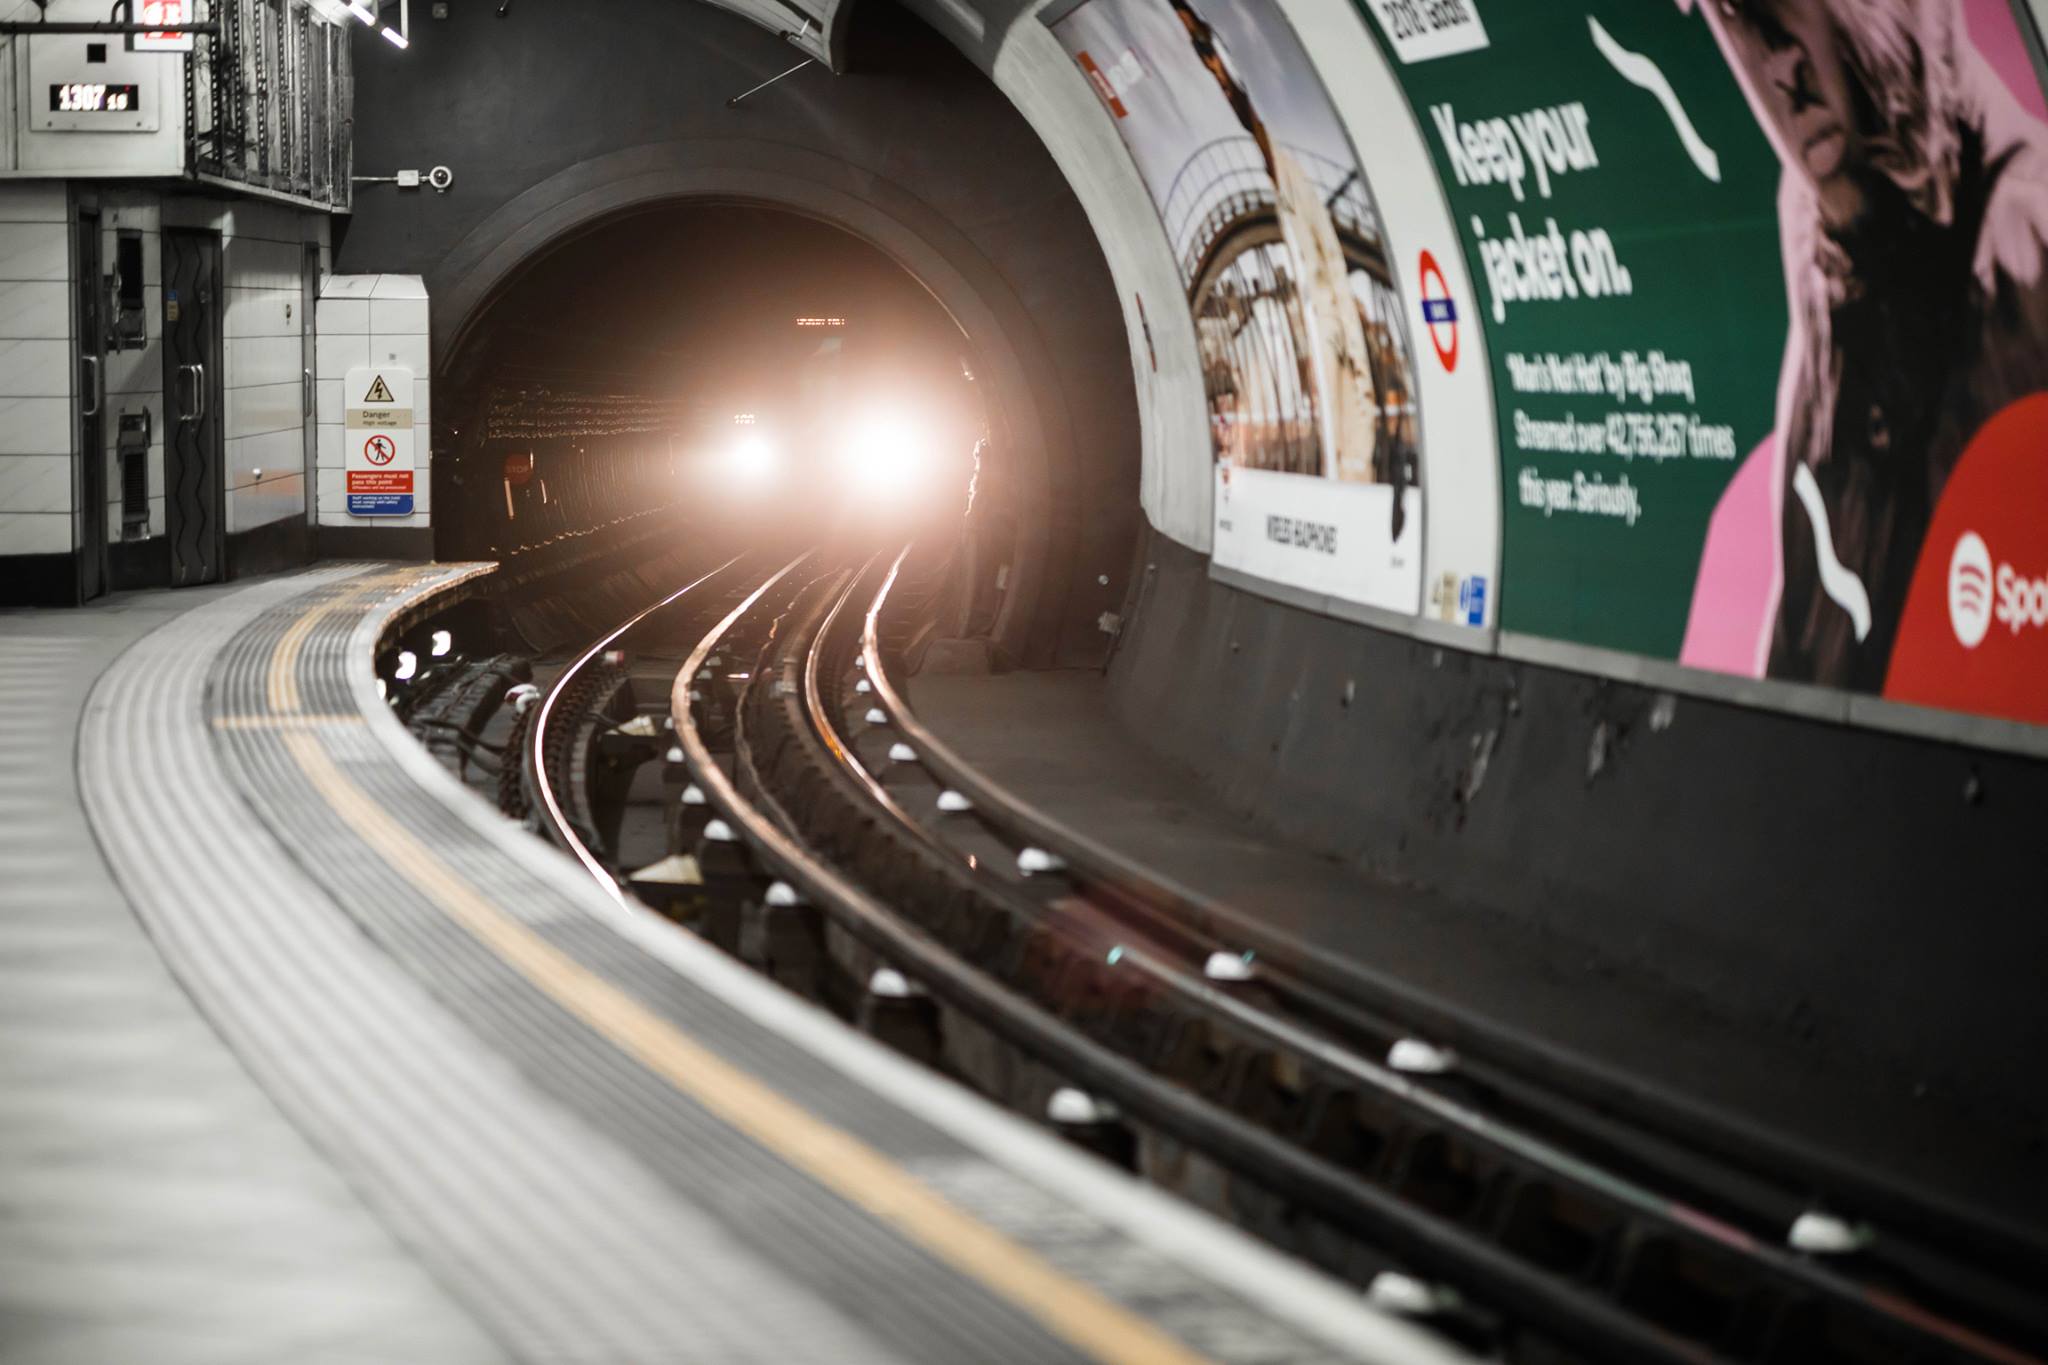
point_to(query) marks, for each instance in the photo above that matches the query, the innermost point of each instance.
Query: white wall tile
(263, 503)
(35, 251)
(344, 317)
(35, 309)
(348, 286)
(339, 353)
(262, 408)
(410, 351)
(398, 317)
(253, 218)
(34, 426)
(35, 483)
(34, 201)
(35, 533)
(263, 360)
(261, 313)
(399, 287)
(253, 459)
(35, 369)
(133, 213)
(328, 395)
(252, 263)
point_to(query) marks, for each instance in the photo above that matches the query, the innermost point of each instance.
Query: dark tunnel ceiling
(700, 301)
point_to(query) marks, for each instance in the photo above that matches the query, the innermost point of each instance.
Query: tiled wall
(263, 382)
(372, 320)
(36, 477)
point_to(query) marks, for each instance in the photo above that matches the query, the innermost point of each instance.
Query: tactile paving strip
(386, 965)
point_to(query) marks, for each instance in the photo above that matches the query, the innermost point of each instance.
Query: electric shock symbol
(380, 450)
(380, 392)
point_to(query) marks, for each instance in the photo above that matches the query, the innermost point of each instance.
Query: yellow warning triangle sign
(380, 392)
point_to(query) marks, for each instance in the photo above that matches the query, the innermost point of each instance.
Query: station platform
(311, 1055)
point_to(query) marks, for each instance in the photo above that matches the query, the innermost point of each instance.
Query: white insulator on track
(889, 984)
(863, 687)
(1228, 967)
(1071, 1108)
(693, 795)
(1405, 1295)
(876, 716)
(640, 727)
(678, 869)
(1827, 1234)
(719, 832)
(1419, 1058)
(674, 754)
(900, 752)
(953, 803)
(704, 675)
(521, 697)
(1033, 861)
(782, 895)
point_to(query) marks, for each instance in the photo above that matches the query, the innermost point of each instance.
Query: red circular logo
(1439, 313)
(380, 450)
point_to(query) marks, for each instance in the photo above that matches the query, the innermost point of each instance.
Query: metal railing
(269, 102)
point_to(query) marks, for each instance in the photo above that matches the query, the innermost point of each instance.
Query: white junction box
(88, 105)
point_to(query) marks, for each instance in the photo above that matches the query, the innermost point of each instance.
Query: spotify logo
(1969, 590)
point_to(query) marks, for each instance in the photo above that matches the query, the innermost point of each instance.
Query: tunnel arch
(919, 155)
(1032, 434)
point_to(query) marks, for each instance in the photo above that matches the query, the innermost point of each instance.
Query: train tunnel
(1548, 782)
(1420, 623)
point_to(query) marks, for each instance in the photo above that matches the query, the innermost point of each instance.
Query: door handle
(194, 405)
(305, 394)
(92, 387)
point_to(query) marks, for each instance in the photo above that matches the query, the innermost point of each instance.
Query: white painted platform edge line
(1303, 1297)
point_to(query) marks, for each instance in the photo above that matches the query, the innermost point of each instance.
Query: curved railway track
(808, 821)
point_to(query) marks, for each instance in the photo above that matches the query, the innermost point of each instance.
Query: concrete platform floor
(155, 1205)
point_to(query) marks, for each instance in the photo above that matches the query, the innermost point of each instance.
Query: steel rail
(558, 826)
(1287, 1171)
(1678, 1216)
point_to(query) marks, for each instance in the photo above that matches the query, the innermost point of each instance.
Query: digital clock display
(86, 97)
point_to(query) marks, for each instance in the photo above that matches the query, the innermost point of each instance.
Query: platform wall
(1874, 897)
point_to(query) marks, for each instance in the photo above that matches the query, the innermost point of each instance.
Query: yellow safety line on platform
(290, 722)
(835, 1160)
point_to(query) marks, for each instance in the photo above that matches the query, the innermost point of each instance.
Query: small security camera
(440, 178)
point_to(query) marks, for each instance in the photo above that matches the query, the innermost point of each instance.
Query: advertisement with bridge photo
(1770, 386)
(1307, 361)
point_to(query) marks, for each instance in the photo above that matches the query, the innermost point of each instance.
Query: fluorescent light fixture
(408, 665)
(394, 37)
(442, 643)
(363, 12)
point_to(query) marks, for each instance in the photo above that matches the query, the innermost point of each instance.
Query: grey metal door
(309, 324)
(195, 474)
(90, 387)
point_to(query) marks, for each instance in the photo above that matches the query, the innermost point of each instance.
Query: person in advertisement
(1913, 216)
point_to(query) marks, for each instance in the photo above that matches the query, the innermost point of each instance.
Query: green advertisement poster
(1617, 204)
